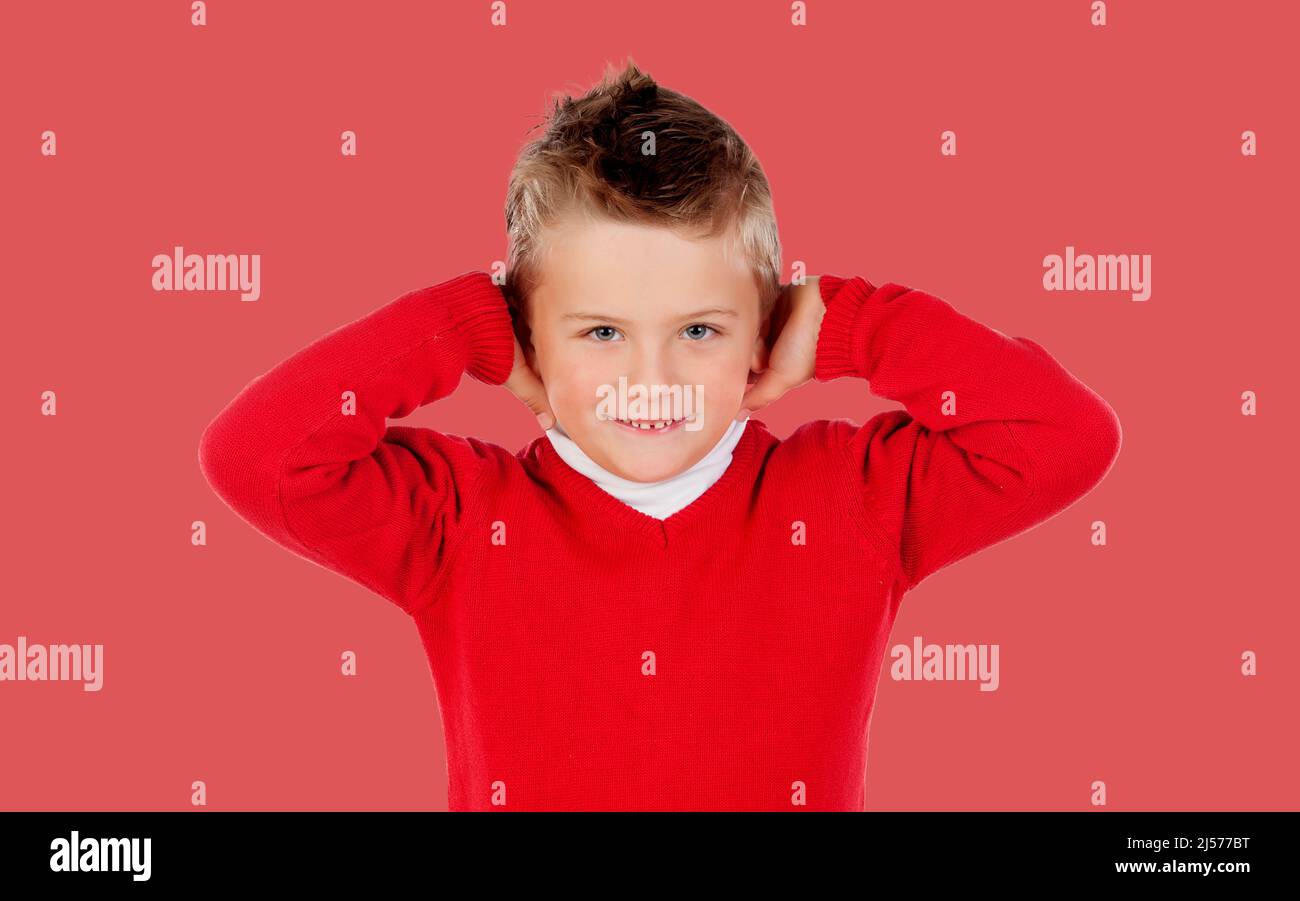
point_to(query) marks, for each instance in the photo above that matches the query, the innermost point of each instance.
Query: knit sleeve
(305, 455)
(994, 436)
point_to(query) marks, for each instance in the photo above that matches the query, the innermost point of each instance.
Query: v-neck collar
(591, 499)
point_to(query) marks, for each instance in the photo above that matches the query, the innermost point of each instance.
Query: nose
(651, 363)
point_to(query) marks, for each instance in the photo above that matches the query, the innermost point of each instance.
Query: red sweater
(588, 656)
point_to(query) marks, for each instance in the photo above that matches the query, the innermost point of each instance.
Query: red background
(1118, 663)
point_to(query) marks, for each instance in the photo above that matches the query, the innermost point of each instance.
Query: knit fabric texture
(588, 656)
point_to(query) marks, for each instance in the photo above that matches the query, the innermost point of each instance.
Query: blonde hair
(701, 181)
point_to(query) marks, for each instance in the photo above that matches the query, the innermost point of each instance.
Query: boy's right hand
(524, 384)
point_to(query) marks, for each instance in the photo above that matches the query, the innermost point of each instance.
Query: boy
(655, 608)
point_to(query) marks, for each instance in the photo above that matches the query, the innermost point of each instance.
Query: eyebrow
(712, 311)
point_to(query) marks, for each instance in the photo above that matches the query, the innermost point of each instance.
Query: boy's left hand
(793, 328)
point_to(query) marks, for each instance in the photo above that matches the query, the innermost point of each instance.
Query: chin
(640, 465)
(654, 464)
(647, 457)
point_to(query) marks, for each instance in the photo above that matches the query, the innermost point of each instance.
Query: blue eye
(599, 332)
(701, 325)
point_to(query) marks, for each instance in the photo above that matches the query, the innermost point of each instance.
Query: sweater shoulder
(814, 455)
(820, 436)
(481, 467)
(510, 471)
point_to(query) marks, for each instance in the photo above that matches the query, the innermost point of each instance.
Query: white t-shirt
(658, 499)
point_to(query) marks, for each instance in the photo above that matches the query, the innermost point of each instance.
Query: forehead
(626, 265)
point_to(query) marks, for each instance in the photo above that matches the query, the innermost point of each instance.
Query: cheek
(574, 386)
(723, 379)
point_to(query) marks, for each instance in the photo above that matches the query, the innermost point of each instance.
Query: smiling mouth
(649, 426)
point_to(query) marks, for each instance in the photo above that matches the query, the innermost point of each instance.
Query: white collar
(658, 499)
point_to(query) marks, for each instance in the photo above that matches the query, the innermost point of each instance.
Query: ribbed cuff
(842, 343)
(481, 316)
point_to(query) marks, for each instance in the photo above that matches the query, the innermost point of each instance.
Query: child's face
(618, 300)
